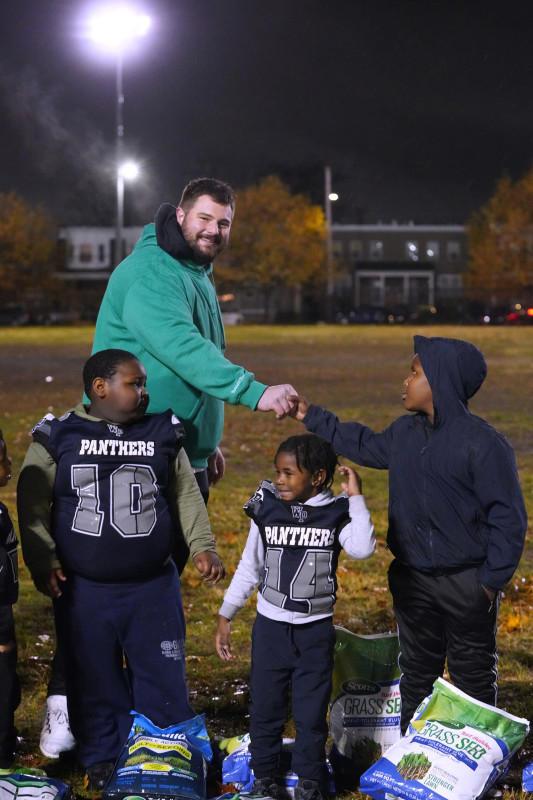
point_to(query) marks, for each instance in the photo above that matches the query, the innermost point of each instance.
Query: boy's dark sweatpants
(298, 658)
(101, 623)
(9, 687)
(443, 616)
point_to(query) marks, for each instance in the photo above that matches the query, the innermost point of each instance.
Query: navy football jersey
(9, 576)
(301, 549)
(110, 517)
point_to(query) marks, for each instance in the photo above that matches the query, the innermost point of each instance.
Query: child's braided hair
(311, 453)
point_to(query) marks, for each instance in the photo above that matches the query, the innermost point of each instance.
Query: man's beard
(202, 256)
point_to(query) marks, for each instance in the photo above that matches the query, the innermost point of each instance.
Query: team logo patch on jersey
(115, 429)
(300, 513)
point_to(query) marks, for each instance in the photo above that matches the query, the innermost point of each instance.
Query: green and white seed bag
(455, 749)
(365, 709)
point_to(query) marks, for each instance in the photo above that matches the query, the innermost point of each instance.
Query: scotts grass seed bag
(364, 718)
(19, 786)
(455, 749)
(161, 763)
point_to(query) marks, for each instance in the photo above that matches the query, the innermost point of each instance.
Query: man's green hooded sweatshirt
(162, 306)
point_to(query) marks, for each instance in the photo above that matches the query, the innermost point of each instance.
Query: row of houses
(377, 266)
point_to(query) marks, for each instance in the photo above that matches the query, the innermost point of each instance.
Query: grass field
(355, 371)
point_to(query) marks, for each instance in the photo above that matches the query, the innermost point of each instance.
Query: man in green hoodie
(161, 304)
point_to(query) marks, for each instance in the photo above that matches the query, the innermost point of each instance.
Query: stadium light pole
(127, 171)
(329, 198)
(113, 28)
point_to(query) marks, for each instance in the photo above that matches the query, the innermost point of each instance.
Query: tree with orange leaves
(501, 244)
(27, 245)
(278, 239)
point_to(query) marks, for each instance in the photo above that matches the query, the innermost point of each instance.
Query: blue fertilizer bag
(162, 763)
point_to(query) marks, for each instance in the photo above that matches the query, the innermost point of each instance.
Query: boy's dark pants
(299, 658)
(101, 622)
(57, 683)
(9, 687)
(443, 616)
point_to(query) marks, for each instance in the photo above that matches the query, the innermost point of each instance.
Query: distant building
(382, 265)
(390, 265)
(87, 257)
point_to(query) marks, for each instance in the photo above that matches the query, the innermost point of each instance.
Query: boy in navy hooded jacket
(457, 519)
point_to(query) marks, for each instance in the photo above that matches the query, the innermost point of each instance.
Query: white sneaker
(56, 736)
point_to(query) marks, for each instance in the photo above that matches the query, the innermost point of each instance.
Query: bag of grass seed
(455, 749)
(365, 710)
(162, 763)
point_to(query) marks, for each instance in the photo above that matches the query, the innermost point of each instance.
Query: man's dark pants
(443, 616)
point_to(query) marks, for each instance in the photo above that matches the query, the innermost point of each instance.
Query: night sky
(419, 107)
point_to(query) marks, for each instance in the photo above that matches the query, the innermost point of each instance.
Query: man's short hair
(104, 364)
(221, 192)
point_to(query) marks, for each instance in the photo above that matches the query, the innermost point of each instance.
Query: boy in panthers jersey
(297, 531)
(100, 495)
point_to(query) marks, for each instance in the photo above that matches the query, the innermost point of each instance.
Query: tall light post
(113, 28)
(329, 198)
(127, 171)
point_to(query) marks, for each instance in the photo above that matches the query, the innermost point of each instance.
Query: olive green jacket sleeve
(35, 491)
(186, 499)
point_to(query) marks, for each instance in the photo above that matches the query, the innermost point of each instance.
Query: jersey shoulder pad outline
(44, 426)
(253, 505)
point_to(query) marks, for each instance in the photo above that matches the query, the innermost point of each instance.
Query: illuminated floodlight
(113, 27)
(333, 196)
(129, 170)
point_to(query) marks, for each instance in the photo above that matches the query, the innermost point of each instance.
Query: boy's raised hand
(222, 639)
(299, 408)
(353, 484)
(209, 566)
(50, 584)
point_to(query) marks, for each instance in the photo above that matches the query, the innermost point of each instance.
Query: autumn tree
(500, 242)
(27, 246)
(278, 239)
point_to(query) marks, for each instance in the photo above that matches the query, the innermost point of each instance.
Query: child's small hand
(209, 566)
(299, 407)
(50, 584)
(353, 485)
(222, 639)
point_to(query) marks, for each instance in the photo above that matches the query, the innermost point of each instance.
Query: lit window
(432, 251)
(376, 250)
(411, 251)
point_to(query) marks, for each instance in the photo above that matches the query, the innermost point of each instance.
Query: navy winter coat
(454, 496)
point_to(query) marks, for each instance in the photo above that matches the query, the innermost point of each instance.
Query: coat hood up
(455, 370)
